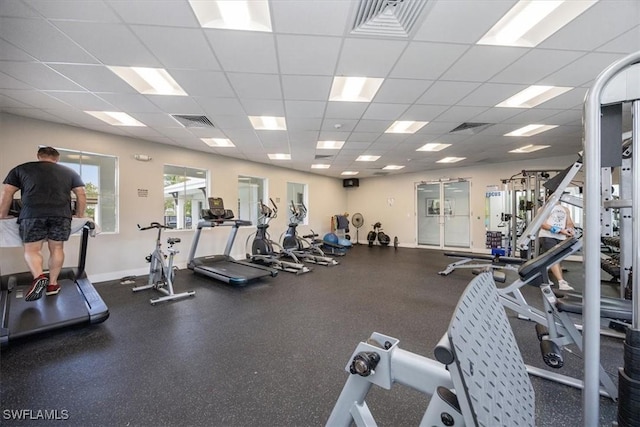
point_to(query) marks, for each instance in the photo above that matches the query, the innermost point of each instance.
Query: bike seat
(172, 240)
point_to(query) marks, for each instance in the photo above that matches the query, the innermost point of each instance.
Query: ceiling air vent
(471, 128)
(381, 173)
(190, 121)
(323, 156)
(393, 18)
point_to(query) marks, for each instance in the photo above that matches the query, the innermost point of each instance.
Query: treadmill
(224, 267)
(77, 303)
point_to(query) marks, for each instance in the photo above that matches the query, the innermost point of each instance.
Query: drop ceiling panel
(427, 60)
(166, 13)
(306, 124)
(345, 110)
(244, 51)
(264, 107)
(490, 94)
(424, 112)
(94, 11)
(42, 40)
(401, 91)
(256, 86)
(95, 78)
(327, 17)
(480, 63)
(8, 82)
(582, 71)
(308, 55)
(369, 58)
(387, 112)
(307, 88)
(216, 107)
(82, 100)
(100, 39)
(130, 102)
(38, 75)
(178, 47)
(535, 65)
(16, 9)
(308, 109)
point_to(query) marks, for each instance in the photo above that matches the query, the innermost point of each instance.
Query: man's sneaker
(37, 287)
(52, 289)
(564, 286)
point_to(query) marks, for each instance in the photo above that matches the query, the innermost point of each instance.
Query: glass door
(444, 214)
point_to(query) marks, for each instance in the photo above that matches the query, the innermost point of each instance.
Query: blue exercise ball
(330, 238)
(345, 242)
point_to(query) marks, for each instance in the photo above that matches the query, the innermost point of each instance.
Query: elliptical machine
(301, 247)
(262, 247)
(378, 234)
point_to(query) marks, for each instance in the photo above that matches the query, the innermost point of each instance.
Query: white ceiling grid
(54, 56)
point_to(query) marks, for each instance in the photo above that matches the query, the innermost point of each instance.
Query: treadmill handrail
(223, 222)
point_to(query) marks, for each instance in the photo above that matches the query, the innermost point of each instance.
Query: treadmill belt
(49, 312)
(231, 272)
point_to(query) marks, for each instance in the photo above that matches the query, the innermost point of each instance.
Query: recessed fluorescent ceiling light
(532, 96)
(451, 159)
(354, 89)
(248, 15)
(530, 130)
(329, 145)
(433, 146)
(365, 158)
(149, 81)
(405, 126)
(280, 156)
(218, 142)
(115, 118)
(319, 166)
(268, 123)
(529, 148)
(392, 167)
(530, 22)
(349, 173)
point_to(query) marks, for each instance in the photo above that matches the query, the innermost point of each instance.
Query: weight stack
(629, 382)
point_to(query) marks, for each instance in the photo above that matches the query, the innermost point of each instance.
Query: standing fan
(357, 220)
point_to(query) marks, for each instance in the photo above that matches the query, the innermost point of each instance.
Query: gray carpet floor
(271, 353)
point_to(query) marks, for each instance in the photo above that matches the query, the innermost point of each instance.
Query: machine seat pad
(610, 308)
(547, 259)
(487, 257)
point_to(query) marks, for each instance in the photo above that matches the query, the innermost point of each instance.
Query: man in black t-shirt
(45, 190)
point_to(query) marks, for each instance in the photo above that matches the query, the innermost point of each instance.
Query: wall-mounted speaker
(351, 182)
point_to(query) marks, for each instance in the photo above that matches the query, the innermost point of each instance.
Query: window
(185, 195)
(250, 192)
(99, 173)
(297, 199)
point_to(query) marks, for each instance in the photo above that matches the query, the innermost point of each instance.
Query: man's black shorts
(36, 229)
(547, 243)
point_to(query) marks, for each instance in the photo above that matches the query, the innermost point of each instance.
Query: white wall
(392, 199)
(114, 255)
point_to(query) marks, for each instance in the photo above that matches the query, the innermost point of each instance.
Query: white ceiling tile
(221, 106)
(314, 109)
(532, 67)
(401, 91)
(168, 13)
(244, 51)
(133, 103)
(94, 10)
(308, 88)
(480, 63)
(16, 9)
(94, 78)
(111, 44)
(34, 98)
(167, 125)
(628, 42)
(369, 58)
(9, 52)
(378, 126)
(326, 17)
(447, 93)
(387, 112)
(339, 125)
(82, 100)
(7, 104)
(229, 123)
(307, 55)
(8, 82)
(202, 83)
(176, 104)
(423, 60)
(42, 40)
(460, 114)
(263, 107)
(424, 113)
(490, 94)
(303, 124)
(38, 76)
(178, 47)
(256, 86)
(345, 110)
(582, 71)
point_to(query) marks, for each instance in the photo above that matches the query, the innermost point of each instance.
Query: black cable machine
(224, 267)
(78, 301)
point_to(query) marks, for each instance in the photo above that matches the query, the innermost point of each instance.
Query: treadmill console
(216, 210)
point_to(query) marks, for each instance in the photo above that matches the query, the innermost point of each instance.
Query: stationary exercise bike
(263, 249)
(161, 273)
(378, 234)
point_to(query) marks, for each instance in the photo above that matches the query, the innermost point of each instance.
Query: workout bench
(478, 379)
(489, 262)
